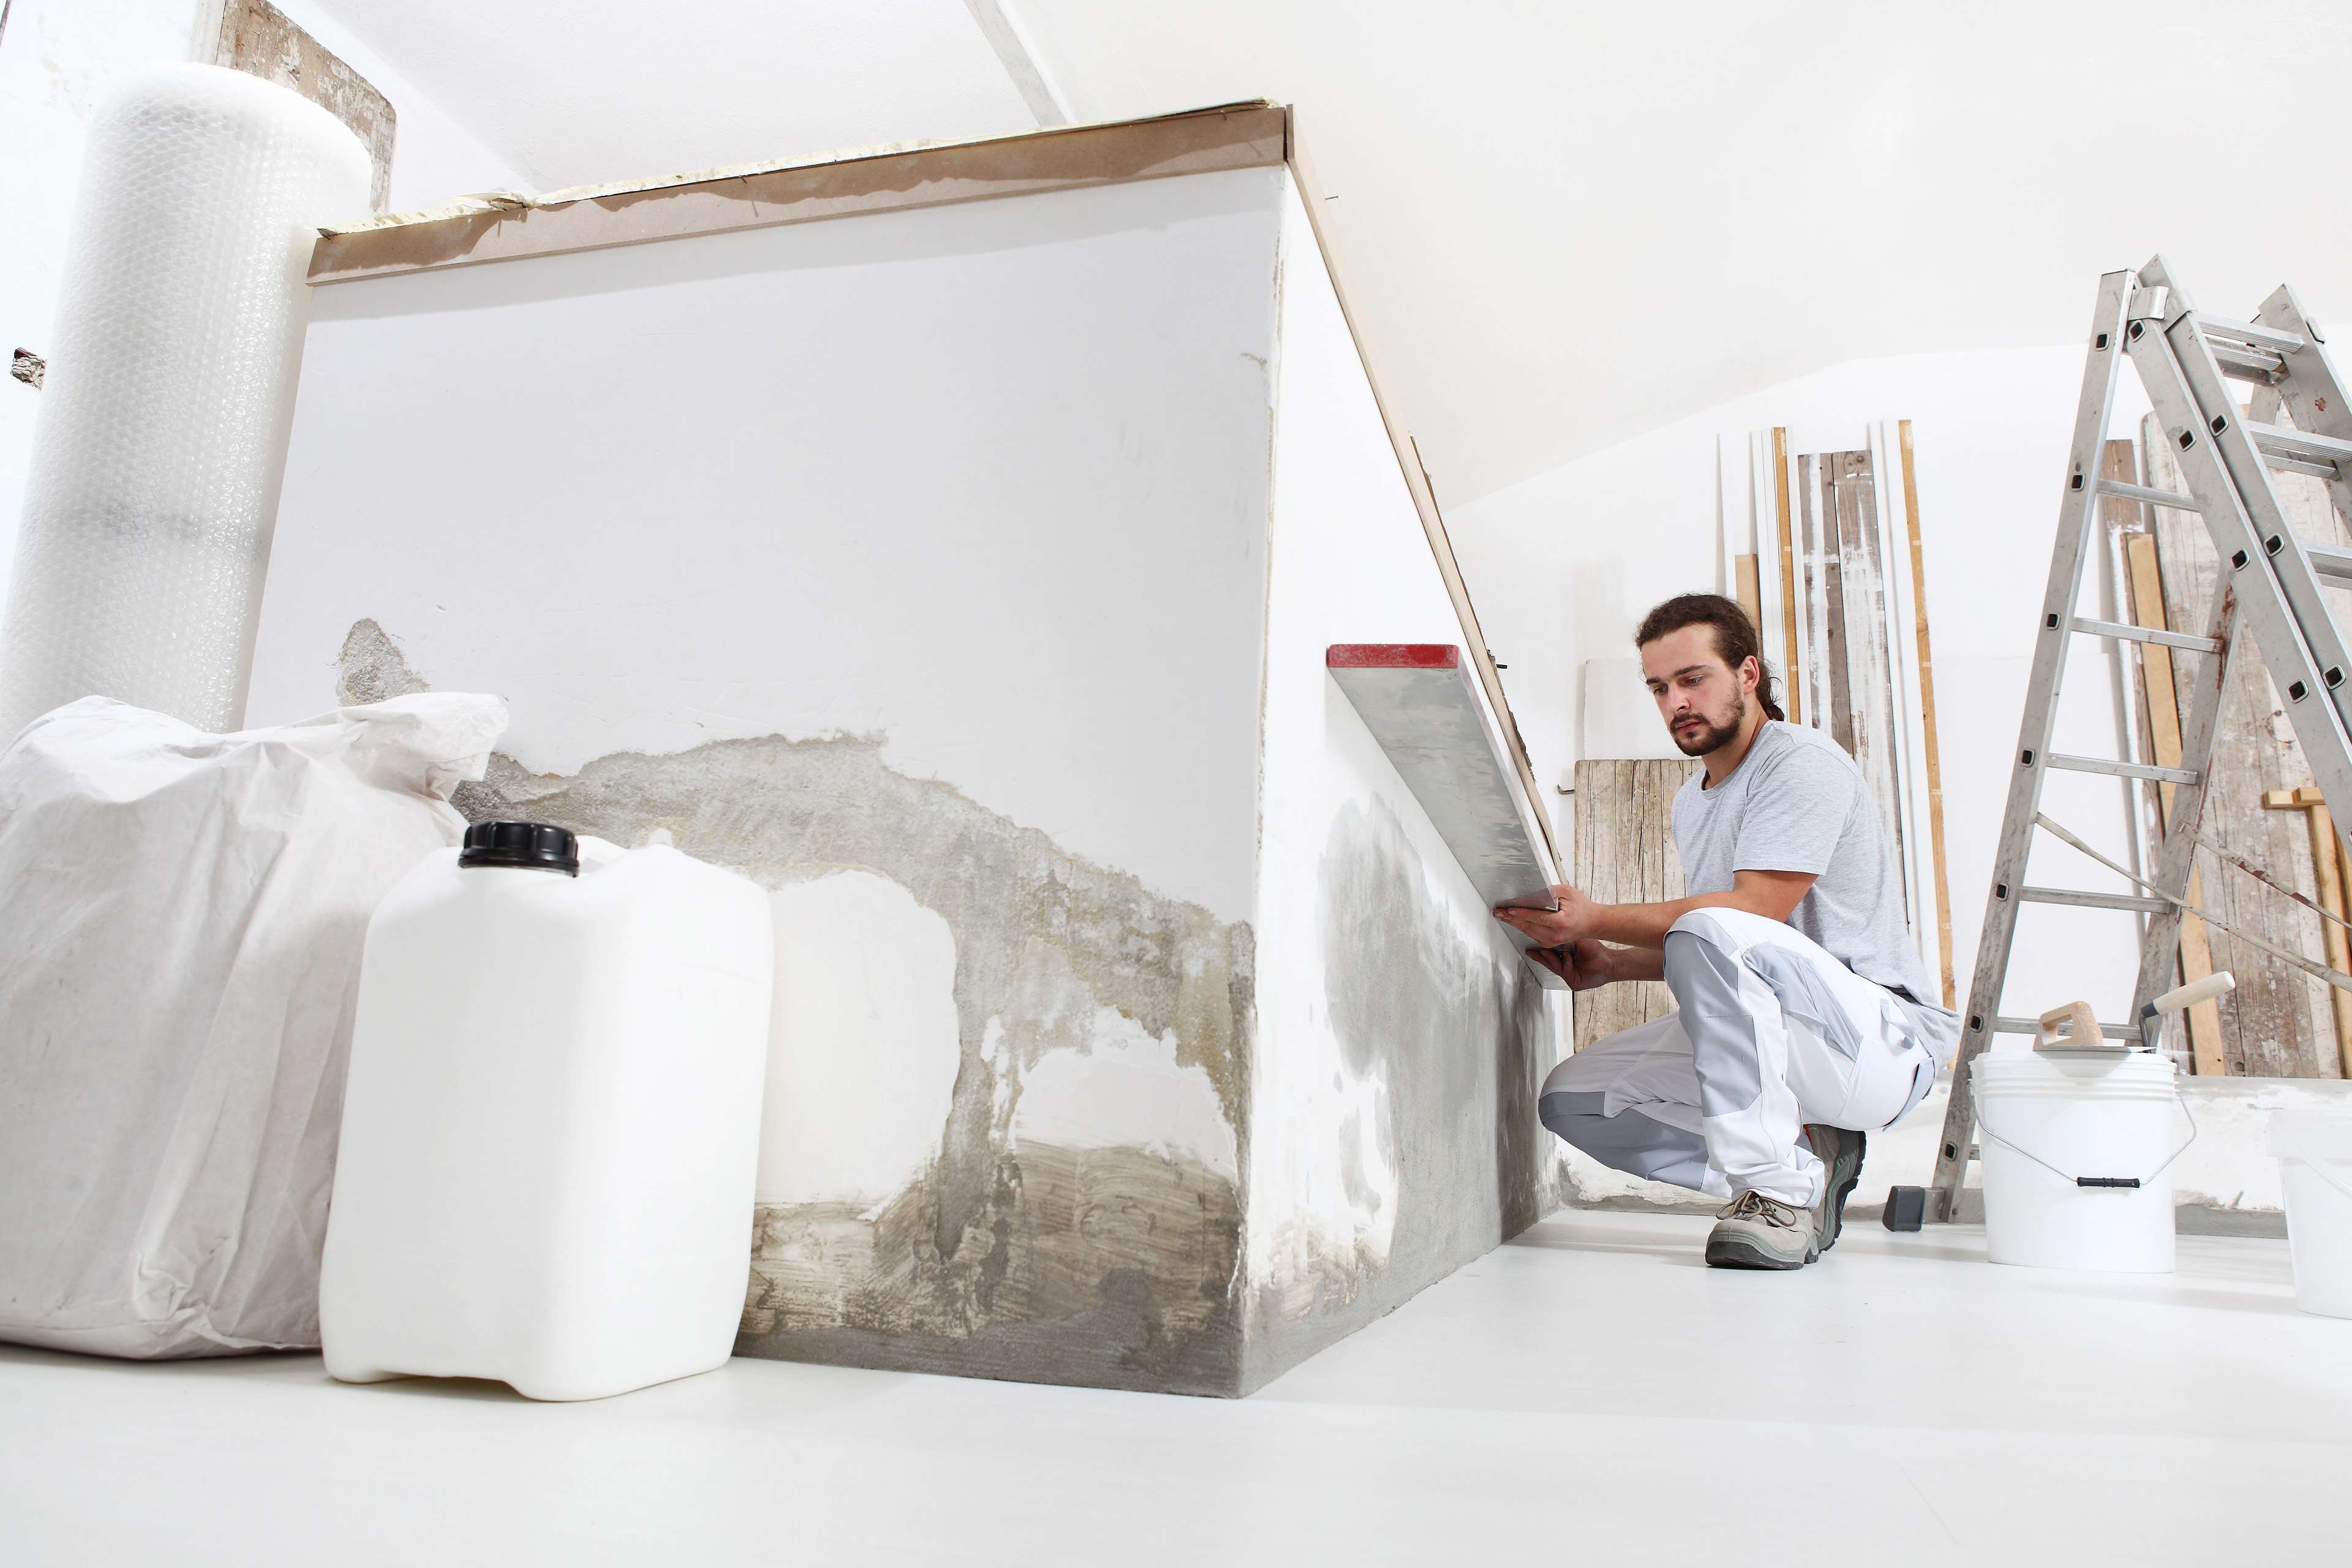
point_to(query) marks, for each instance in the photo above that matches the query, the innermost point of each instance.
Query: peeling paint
(1009, 1257)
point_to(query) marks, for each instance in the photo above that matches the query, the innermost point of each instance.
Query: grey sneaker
(1840, 1149)
(1753, 1231)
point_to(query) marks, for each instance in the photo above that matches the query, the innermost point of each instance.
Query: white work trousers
(1772, 1033)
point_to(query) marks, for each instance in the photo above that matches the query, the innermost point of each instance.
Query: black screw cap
(528, 845)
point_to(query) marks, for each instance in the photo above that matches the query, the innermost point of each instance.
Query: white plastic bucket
(2046, 1125)
(2313, 1148)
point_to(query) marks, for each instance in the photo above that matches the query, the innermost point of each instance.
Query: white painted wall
(1562, 567)
(986, 479)
(861, 1051)
(1336, 1123)
(56, 58)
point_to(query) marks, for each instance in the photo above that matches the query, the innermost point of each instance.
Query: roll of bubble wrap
(145, 531)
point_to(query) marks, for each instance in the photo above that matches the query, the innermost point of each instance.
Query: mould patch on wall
(1035, 1257)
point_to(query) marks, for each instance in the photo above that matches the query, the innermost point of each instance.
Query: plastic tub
(2313, 1148)
(551, 1127)
(2047, 1124)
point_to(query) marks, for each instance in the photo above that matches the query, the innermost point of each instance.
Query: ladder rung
(2034, 1026)
(2247, 332)
(2247, 364)
(2120, 770)
(2123, 492)
(2330, 561)
(2300, 465)
(2149, 634)
(2272, 441)
(2093, 900)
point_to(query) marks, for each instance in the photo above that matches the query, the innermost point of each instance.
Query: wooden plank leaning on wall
(2275, 1024)
(1789, 663)
(1625, 854)
(1927, 715)
(2326, 852)
(2163, 710)
(256, 37)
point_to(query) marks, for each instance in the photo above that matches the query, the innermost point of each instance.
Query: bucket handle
(2317, 1167)
(2097, 1181)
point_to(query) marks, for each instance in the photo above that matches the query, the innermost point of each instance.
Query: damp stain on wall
(1036, 1259)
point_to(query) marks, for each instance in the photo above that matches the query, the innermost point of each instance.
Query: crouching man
(1803, 1019)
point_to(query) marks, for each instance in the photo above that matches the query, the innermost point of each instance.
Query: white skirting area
(1589, 1393)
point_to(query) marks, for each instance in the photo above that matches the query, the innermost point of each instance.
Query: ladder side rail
(2314, 394)
(2176, 860)
(2278, 591)
(2102, 363)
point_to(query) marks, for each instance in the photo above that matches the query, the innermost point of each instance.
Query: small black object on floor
(1906, 1208)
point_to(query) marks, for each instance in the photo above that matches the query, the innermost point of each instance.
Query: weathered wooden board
(2276, 1024)
(1791, 621)
(1625, 854)
(1910, 687)
(2155, 721)
(256, 38)
(1745, 589)
(2326, 871)
(1848, 496)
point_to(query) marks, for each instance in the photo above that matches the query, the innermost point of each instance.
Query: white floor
(1590, 1393)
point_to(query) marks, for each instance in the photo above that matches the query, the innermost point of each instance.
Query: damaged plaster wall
(963, 576)
(1401, 1040)
(915, 565)
(1007, 1086)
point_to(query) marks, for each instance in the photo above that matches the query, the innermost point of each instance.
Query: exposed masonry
(1108, 1267)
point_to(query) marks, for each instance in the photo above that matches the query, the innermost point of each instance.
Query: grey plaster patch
(995, 1262)
(370, 669)
(1458, 1039)
(1117, 1272)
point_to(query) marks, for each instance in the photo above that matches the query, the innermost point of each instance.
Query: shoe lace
(1757, 1207)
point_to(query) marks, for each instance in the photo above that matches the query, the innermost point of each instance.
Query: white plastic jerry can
(551, 1125)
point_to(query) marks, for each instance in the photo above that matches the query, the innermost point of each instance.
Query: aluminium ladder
(2269, 584)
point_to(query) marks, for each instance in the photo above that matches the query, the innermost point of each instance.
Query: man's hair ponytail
(1735, 637)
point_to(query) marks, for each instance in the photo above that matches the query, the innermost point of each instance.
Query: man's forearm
(1773, 894)
(1645, 925)
(1637, 963)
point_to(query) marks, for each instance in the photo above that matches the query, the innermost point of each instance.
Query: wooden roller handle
(2086, 1028)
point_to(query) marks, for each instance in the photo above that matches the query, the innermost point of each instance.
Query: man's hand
(1584, 964)
(1572, 922)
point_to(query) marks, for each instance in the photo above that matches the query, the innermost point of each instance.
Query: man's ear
(1751, 674)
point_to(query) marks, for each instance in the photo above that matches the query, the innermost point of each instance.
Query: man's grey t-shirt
(1796, 802)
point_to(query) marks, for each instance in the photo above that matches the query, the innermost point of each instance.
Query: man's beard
(1714, 738)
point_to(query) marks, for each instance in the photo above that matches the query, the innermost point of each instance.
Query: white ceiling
(1571, 222)
(572, 92)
